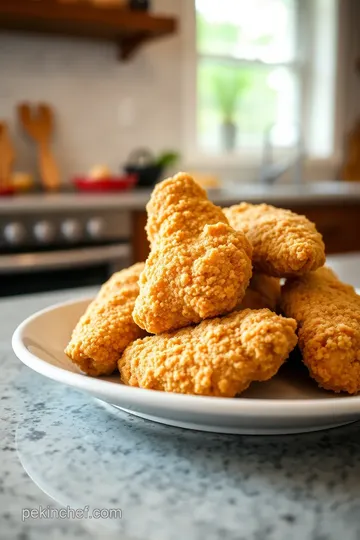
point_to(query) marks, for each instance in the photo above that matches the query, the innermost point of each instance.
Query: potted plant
(229, 85)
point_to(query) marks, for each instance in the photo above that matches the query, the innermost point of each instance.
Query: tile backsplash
(104, 108)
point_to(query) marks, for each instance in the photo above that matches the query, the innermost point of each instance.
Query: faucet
(270, 172)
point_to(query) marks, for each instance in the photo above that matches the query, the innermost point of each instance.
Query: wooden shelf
(128, 29)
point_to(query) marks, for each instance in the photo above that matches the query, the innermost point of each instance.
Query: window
(254, 77)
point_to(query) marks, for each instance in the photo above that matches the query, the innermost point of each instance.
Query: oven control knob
(95, 227)
(44, 232)
(71, 230)
(14, 233)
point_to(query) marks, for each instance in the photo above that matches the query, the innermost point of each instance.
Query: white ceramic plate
(289, 403)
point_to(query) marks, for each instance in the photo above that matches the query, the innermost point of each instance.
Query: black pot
(147, 175)
(142, 163)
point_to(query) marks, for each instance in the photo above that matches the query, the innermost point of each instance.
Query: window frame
(192, 154)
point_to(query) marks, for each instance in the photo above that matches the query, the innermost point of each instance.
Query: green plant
(167, 159)
(229, 85)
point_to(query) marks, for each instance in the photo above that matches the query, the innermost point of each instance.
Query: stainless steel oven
(44, 251)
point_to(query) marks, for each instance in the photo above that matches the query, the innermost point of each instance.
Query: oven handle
(55, 260)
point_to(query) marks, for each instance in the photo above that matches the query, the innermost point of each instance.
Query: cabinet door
(339, 225)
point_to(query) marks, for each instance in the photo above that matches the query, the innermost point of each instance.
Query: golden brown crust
(219, 357)
(263, 292)
(328, 315)
(199, 267)
(107, 326)
(284, 243)
(179, 205)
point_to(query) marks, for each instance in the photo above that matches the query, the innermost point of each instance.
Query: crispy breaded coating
(284, 243)
(328, 316)
(263, 292)
(107, 326)
(180, 206)
(219, 357)
(198, 267)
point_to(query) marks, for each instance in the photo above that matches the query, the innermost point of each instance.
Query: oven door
(53, 270)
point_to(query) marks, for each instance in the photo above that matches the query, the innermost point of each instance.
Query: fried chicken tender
(107, 326)
(198, 267)
(263, 292)
(328, 316)
(219, 357)
(179, 205)
(285, 244)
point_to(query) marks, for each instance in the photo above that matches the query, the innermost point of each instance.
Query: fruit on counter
(112, 183)
(100, 178)
(98, 172)
(22, 181)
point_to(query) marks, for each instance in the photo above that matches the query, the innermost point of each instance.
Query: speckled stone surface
(62, 448)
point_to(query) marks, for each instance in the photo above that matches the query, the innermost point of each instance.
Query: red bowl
(7, 191)
(111, 183)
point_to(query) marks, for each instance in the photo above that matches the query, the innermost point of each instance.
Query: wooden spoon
(38, 122)
(7, 157)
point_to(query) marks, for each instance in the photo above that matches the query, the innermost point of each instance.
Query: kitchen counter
(61, 448)
(333, 206)
(309, 193)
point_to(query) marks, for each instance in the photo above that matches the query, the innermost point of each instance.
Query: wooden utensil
(38, 122)
(7, 157)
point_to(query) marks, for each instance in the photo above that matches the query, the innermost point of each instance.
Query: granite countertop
(307, 193)
(60, 448)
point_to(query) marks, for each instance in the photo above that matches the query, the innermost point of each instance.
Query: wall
(99, 102)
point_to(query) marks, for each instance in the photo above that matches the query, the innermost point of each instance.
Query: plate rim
(284, 408)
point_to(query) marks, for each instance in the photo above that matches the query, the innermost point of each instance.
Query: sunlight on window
(247, 74)
(257, 30)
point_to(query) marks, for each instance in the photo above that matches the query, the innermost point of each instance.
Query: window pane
(248, 29)
(237, 105)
